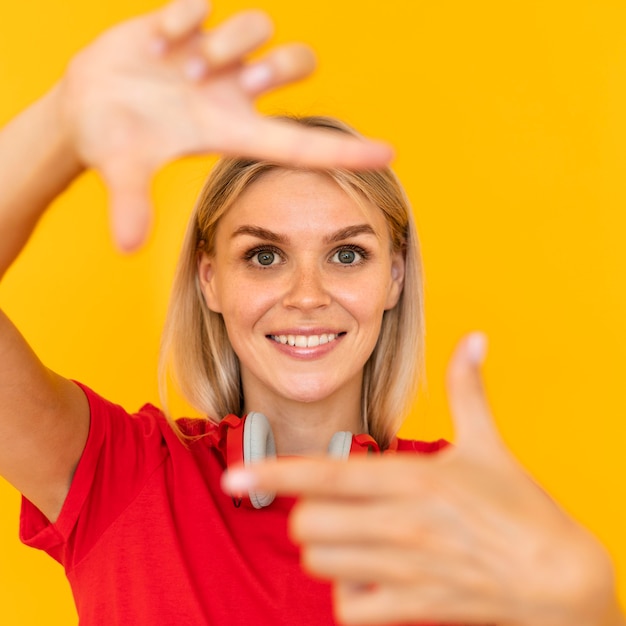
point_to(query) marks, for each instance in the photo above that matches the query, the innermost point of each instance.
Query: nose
(306, 289)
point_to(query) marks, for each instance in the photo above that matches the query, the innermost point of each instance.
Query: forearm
(37, 162)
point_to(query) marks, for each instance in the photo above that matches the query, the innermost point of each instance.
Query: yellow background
(509, 120)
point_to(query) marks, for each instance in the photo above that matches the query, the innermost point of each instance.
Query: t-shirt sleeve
(120, 454)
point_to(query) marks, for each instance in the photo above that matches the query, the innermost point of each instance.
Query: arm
(146, 92)
(44, 418)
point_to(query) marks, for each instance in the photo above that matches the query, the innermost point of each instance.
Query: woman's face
(301, 274)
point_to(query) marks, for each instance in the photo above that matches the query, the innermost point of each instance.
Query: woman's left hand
(461, 536)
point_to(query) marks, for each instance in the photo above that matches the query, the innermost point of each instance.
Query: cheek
(244, 302)
(365, 296)
(366, 309)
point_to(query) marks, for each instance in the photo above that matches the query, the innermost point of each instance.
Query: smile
(305, 341)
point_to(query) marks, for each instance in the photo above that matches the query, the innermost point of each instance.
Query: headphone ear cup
(340, 444)
(258, 444)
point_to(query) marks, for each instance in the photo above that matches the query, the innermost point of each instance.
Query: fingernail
(196, 68)
(255, 77)
(238, 481)
(477, 348)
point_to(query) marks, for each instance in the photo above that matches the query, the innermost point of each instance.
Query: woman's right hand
(158, 87)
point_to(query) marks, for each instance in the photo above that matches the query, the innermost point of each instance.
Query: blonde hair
(196, 353)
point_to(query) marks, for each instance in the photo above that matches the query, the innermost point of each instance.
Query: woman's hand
(463, 536)
(159, 87)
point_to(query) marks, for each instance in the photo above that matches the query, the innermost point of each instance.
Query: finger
(384, 564)
(402, 521)
(236, 37)
(329, 478)
(406, 604)
(179, 19)
(341, 522)
(130, 210)
(283, 65)
(282, 141)
(366, 564)
(474, 425)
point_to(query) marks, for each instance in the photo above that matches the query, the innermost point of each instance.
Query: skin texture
(465, 536)
(307, 393)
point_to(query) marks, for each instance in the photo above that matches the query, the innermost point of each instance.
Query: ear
(397, 280)
(208, 282)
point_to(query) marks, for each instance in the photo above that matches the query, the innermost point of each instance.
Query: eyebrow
(339, 235)
(259, 233)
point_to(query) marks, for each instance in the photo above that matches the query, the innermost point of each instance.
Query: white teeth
(304, 341)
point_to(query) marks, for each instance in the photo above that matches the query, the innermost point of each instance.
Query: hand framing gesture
(159, 87)
(464, 536)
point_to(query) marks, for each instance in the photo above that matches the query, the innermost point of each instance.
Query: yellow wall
(509, 120)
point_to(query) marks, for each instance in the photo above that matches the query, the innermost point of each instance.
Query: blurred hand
(159, 87)
(463, 536)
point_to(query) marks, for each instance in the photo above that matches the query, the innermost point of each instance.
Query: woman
(136, 515)
(216, 346)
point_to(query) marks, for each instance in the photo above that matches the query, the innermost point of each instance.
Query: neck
(306, 428)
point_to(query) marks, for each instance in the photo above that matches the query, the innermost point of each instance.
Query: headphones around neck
(249, 439)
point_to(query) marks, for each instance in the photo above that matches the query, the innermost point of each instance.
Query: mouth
(306, 341)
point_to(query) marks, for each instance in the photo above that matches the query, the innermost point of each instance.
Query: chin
(307, 393)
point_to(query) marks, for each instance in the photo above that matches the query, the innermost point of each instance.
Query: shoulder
(149, 419)
(194, 427)
(126, 454)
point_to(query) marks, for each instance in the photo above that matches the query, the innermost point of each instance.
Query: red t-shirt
(147, 536)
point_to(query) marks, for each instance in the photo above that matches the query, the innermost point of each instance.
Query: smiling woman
(303, 225)
(298, 294)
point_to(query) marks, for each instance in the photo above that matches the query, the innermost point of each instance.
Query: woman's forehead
(292, 199)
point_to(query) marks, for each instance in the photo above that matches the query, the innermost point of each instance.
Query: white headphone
(250, 439)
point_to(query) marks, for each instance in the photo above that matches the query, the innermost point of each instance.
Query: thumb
(130, 209)
(473, 423)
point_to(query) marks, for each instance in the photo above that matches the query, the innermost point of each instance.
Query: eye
(349, 255)
(266, 257)
(263, 257)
